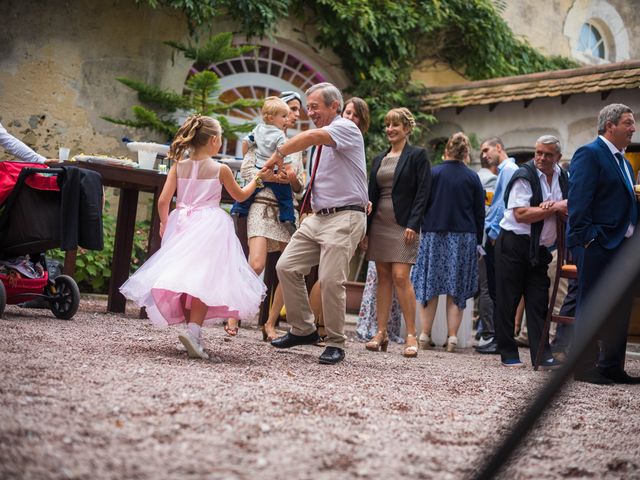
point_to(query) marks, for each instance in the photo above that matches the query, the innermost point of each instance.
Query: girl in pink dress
(200, 272)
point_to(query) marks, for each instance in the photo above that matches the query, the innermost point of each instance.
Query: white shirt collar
(556, 171)
(611, 146)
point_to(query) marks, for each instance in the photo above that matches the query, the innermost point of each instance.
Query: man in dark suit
(603, 214)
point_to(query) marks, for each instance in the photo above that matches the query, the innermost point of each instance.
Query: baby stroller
(30, 223)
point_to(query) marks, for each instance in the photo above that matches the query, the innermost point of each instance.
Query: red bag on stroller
(30, 223)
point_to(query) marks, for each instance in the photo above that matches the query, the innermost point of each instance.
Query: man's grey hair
(611, 113)
(550, 140)
(330, 94)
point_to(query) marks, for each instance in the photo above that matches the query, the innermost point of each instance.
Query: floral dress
(263, 214)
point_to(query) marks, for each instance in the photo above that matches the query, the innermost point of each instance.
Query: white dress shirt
(15, 147)
(520, 196)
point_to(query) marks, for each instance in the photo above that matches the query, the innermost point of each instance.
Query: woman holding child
(265, 230)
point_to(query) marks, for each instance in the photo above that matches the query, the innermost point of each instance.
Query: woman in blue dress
(447, 262)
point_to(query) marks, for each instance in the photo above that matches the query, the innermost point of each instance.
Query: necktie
(306, 201)
(633, 217)
(623, 167)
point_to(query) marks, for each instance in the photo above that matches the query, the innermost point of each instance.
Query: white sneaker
(484, 341)
(194, 349)
(452, 343)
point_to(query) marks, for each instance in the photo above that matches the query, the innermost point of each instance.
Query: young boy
(266, 138)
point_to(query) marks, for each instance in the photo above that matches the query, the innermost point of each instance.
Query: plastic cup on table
(146, 159)
(63, 154)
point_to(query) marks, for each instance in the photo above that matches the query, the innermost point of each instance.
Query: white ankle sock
(195, 330)
(424, 337)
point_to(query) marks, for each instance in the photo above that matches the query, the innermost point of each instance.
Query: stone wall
(59, 61)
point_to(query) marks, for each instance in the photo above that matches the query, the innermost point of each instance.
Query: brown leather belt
(329, 211)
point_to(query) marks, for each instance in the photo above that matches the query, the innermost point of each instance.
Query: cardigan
(456, 203)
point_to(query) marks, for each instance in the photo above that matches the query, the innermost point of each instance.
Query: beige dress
(386, 237)
(262, 220)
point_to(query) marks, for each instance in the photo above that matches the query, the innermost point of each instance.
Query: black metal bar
(616, 283)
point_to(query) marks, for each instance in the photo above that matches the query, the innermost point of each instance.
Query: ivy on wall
(381, 41)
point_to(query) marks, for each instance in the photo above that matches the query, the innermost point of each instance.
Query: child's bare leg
(198, 311)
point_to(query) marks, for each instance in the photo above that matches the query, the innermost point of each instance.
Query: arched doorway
(267, 71)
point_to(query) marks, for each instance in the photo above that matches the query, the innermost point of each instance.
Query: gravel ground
(109, 396)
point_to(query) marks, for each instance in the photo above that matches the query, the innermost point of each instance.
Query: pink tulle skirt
(200, 257)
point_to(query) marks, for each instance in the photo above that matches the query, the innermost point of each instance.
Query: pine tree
(200, 94)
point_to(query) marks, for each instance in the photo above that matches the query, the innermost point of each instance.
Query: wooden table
(130, 181)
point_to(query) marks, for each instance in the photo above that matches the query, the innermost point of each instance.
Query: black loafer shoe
(331, 356)
(592, 376)
(290, 340)
(620, 376)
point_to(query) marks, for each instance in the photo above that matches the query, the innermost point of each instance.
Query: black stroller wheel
(64, 297)
(3, 298)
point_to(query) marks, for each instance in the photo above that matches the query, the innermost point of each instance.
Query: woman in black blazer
(398, 191)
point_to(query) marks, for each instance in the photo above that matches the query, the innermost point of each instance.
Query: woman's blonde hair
(458, 147)
(362, 111)
(402, 115)
(194, 132)
(273, 106)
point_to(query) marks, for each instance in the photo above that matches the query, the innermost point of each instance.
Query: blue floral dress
(447, 264)
(367, 325)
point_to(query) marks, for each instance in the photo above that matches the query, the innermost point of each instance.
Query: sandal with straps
(379, 342)
(411, 351)
(231, 331)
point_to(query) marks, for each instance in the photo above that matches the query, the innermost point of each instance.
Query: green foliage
(145, 118)
(257, 17)
(93, 267)
(217, 49)
(476, 41)
(166, 99)
(199, 95)
(380, 42)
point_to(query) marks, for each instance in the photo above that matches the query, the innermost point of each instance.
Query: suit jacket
(411, 186)
(601, 201)
(81, 209)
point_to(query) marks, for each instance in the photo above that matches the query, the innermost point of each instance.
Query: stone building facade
(59, 61)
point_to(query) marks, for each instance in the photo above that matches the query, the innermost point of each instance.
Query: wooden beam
(564, 98)
(459, 110)
(604, 94)
(492, 106)
(528, 102)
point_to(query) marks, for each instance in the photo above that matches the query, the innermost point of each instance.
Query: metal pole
(617, 282)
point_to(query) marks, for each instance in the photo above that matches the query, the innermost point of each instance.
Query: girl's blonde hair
(402, 115)
(362, 110)
(273, 106)
(195, 132)
(458, 147)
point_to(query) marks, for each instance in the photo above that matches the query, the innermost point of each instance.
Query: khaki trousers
(328, 241)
